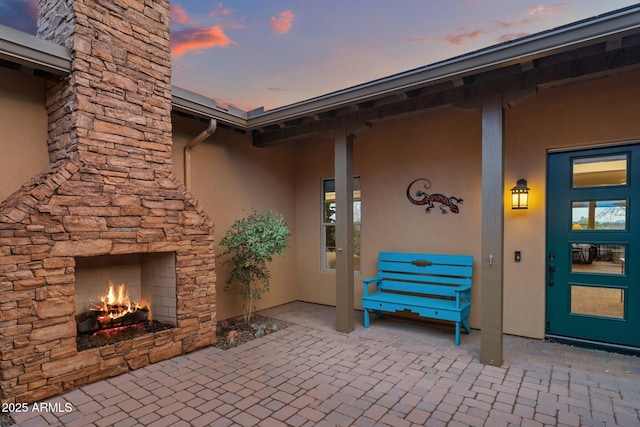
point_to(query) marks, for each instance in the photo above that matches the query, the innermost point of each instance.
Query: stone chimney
(116, 104)
(109, 190)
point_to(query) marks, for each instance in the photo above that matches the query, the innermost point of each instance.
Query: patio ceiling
(591, 48)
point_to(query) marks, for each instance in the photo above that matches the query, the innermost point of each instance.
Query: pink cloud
(179, 15)
(536, 14)
(197, 39)
(282, 24)
(543, 10)
(462, 37)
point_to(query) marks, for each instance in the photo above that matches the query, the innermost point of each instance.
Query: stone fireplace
(108, 204)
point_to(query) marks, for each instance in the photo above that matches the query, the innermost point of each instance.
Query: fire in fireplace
(114, 310)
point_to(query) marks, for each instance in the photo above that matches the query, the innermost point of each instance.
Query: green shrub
(252, 241)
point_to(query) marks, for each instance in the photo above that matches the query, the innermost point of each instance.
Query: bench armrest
(461, 289)
(462, 292)
(366, 283)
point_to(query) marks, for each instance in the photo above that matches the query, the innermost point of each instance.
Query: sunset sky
(252, 53)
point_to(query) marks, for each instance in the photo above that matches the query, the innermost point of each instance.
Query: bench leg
(458, 333)
(465, 323)
(366, 316)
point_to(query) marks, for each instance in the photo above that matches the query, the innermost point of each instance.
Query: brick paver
(395, 373)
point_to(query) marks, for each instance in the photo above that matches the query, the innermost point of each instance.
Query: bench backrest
(434, 274)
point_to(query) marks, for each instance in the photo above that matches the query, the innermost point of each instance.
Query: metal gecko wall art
(418, 196)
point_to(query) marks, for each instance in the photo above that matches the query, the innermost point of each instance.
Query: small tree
(252, 241)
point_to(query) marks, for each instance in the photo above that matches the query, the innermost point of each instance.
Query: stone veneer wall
(109, 190)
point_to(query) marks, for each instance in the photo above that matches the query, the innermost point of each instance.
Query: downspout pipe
(213, 124)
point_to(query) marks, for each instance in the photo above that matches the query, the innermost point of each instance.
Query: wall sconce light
(520, 195)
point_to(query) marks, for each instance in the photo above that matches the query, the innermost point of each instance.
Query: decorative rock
(231, 336)
(260, 331)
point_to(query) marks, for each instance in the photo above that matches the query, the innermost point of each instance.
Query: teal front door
(593, 239)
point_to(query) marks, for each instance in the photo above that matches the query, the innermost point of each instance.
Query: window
(602, 171)
(329, 224)
(597, 301)
(599, 215)
(598, 257)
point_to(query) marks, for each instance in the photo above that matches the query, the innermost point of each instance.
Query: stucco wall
(442, 146)
(445, 147)
(582, 114)
(23, 129)
(314, 162)
(229, 176)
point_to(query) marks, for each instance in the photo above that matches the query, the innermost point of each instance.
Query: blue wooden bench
(432, 285)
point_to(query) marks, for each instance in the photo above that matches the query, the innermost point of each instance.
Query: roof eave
(197, 105)
(598, 29)
(33, 52)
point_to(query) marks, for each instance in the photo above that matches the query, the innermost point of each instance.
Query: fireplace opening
(123, 296)
(114, 310)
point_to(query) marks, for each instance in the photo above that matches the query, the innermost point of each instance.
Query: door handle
(551, 267)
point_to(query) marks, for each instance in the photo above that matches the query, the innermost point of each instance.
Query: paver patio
(396, 373)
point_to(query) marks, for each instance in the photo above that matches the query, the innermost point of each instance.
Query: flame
(116, 306)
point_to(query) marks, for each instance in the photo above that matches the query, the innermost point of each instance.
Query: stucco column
(343, 161)
(492, 230)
